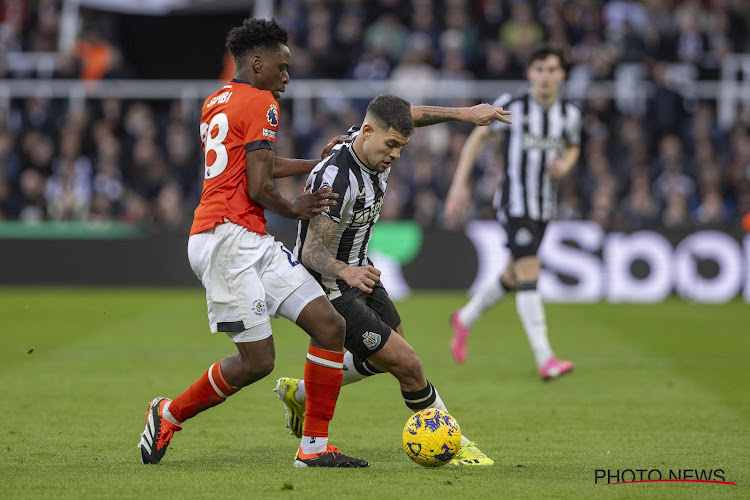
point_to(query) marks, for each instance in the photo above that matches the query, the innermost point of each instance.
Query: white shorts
(248, 278)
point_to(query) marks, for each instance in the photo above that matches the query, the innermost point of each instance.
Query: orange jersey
(235, 120)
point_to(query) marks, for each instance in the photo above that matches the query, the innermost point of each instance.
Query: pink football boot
(554, 368)
(459, 349)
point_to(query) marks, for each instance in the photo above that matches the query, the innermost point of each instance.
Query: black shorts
(524, 236)
(369, 319)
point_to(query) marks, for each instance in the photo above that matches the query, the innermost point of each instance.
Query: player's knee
(331, 329)
(252, 372)
(409, 370)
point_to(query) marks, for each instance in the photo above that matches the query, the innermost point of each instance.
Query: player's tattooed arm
(424, 116)
(315, 256)
(481, 114)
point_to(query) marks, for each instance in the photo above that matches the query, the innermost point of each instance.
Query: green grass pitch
(655, 387)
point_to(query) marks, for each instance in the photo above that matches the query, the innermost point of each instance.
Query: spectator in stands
(387, 37)
(521, 34)
(108, 191)
(98, 58)
(416, 68)
(675, 214)
(68, 189)
(621, 16)
(459, 25)
(38, 115)
(424, 22)
(666, 107)
(453, 66)
(38, 152)
(181, 156)
(691, 42)
(671, 177)
(44, 36)
(15, 18)
(5, 196)
(30, 206)
(10, 164)
(348, 38)
(738, 173)
(639, 208)
(711, 209)
(498, 63)
(169, 210)
(569, 205)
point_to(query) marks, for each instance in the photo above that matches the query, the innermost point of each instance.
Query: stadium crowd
(667, 162)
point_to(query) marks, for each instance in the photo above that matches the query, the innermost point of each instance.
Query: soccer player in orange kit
(248, 275)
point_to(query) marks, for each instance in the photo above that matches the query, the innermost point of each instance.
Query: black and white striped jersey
(361, 192)
(536, 136)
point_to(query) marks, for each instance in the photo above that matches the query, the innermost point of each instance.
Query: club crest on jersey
(371, 340)
(272, 115)
(259, 307)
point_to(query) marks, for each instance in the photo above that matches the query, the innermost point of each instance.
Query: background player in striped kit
(541, 146)
(333, 246)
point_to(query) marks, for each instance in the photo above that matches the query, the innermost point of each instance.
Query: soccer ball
(431, 437)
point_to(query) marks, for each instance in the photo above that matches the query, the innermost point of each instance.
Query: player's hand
(556, 168)
(456, 203)
(484, 114)
(309, 205)
(362, 277)
(336, 140)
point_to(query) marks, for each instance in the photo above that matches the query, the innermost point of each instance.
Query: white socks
(351, 375)
(312, 445)
(351, 372)
(168, 415)
(531, 312)
(491, 292)
(438, 404)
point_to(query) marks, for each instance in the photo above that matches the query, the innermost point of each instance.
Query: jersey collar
(237, 80)
(359, 162)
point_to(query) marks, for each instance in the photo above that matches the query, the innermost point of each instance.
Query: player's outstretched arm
(262, 190)
(481, 114)
(287, 167)
(458, 194)
(315, 256)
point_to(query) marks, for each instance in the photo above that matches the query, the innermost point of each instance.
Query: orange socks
(206, 392)
(323, 375)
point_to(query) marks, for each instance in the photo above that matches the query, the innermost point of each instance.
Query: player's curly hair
(391, 111)
(256, 34)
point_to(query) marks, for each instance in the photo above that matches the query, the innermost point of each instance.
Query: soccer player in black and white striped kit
(333, 247)
(540, 147)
